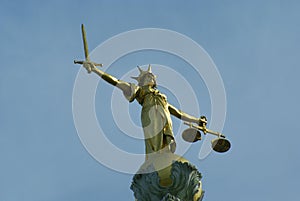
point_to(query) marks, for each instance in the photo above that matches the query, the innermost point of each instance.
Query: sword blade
(85, 45)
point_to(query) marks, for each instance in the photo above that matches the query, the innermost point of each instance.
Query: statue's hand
(89, 66)
(202, 121)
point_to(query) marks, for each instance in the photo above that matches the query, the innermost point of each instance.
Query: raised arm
(124, 86)
(186, 117)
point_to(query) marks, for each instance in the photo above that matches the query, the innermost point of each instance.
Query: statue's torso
(148, 96)
(155, 117)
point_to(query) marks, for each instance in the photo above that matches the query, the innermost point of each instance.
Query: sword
(86, 49)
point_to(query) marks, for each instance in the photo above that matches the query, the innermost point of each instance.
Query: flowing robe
(156, 118)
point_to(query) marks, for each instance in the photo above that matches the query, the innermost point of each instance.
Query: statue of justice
(156, 110)
(173, 177)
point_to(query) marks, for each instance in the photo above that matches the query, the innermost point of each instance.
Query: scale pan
(220, 145)
(191, 135)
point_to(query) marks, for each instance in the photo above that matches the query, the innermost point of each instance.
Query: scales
(192, 134)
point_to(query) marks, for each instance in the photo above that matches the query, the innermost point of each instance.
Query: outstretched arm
(185, 117)
(124, 86)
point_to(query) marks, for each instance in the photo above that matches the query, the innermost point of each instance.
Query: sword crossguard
(88, 65)
(81, 62)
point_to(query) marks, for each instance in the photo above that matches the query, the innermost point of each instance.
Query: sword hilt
(78, 62)
(81, 62)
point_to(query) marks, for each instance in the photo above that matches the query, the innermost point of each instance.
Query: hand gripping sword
(86, 49)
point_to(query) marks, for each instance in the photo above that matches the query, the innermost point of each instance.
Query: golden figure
(156, 111)
(175, 175)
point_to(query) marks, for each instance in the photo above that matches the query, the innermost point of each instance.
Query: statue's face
(148, 79)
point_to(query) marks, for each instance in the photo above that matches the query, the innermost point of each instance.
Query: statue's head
(146, 77)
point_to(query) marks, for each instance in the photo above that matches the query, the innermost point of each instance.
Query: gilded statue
(156, 111)
(171, 177)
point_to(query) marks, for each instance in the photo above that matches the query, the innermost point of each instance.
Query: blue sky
(254, 44)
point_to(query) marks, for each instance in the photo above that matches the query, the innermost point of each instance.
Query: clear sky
(254, 44)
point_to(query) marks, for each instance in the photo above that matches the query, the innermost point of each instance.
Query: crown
(143, 73)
